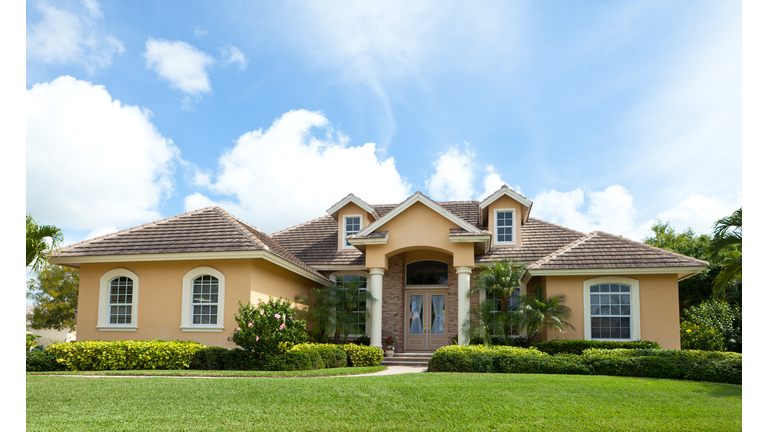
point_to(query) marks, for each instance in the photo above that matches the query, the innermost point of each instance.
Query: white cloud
(232, 55)
(610, 210)
(61, 36)
(697, 212)
(287, 174)
(200, 32)
(181, 64)
(454, 176)
(91, 161)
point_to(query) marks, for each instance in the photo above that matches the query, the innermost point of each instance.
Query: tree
(500, 280)
(54, 293)
(37, 246)
(335, 310)
(535, 313)
(726, 247)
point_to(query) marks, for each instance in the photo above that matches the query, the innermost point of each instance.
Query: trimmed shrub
(474, 358)
(361, 355)
(218, 358)
(570, 364)
(500, 341)
(43, 361)
(333, 356)
(268, 328)
(301, 359)
(578, 346)
(125, 355)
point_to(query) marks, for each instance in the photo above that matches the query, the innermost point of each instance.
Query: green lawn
(225, 373)
(424, 401)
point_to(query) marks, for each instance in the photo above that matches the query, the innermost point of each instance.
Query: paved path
(393, 370)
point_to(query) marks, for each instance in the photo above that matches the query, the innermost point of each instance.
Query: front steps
(412, 359)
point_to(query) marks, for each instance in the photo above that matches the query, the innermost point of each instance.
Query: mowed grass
(224, 373)
(423, 401)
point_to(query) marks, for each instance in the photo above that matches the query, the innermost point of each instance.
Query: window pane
(427, 273)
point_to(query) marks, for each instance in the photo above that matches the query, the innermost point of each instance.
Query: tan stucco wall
(419, 228)
(352, 209)
(505, 202)
(160, 296)
(659, 316)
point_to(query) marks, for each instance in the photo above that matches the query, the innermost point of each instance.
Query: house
(182, 277)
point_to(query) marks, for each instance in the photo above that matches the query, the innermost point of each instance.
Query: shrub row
(43, 361)
(655, 363)
(125, 355)
(578, 346)
(361, 355)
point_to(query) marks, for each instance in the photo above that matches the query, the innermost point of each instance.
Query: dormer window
(352, 225)
(505, 226)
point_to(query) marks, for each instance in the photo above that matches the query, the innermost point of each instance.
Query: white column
(464, 275)
(375, 284)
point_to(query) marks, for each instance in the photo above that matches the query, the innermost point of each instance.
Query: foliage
(333, 356)
(43, 361)
(499, 280)
(578, 346)
(31, 342)
(500, 341)
(54, 292)
(334, 310)
(269, 328)
(485, 321)
(716, 318)
(536, 313)
(302, 359)
(726, 245)
(218, 358)
(360, 355)
(37, 247)
(474, 358)
(125, 355)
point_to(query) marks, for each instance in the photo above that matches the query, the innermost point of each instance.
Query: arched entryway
(426, 292)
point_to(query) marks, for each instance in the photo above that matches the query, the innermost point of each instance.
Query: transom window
(505, 226)
(120, 300)
(610, 311)
(426, 273)
(352, 225)
(205, 300)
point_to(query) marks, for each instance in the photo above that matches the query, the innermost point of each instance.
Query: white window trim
(496, 227)
(344, 230)
(104, 291)
(367, 302)
(186, 302)
(634, 293)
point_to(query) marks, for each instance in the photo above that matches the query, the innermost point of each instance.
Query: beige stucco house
(182, 277)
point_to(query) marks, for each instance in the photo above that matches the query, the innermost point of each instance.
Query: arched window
(612, 309)
(118, 301)
(202, 302)
(426, 273)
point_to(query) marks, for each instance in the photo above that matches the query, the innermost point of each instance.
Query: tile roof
(600, 250)
(206, 230)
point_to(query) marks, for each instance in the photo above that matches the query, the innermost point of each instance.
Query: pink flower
(250, 324)
(257, 338)
(238, 329)
(282, 326)
(277, 316)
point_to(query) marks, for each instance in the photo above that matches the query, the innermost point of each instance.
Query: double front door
(425, 320)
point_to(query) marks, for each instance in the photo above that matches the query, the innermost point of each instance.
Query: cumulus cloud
(181, 64)
(200, 32)
(62, 36)
(454, 176)
(93, 162)
(289, 174)
(232, 55)
(697, 212)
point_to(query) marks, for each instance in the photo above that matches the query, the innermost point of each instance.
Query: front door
(425, 320)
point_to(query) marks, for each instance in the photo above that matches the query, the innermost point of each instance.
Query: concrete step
(414, 359)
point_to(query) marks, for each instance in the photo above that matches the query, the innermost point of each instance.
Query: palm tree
(500, 280)
(37, 247)
(726, 248)
(535, 313)
(486, 321)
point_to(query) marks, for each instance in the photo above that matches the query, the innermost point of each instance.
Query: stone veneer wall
(392, 307)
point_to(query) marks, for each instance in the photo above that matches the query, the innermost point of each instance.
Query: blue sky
(608, 115)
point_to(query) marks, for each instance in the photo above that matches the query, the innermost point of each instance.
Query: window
(202, 301)
(118, 301)
(426, 273)
(496, 298)
(356, 284)
(505, 226)
(352, 225)
(613, 310)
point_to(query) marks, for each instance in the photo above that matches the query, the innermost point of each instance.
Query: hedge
(306, 359)
(333, 356)
(218, 358)
(43, 361)
(125, 355)
(361, 355)
(578, 346)
(710, 366)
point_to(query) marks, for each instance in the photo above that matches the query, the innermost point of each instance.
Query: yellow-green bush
(361, 355)
(125, 355)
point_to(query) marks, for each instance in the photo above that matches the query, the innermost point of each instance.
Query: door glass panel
(438, 315)
(417, 313)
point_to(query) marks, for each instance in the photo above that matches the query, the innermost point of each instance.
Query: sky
(607, 115)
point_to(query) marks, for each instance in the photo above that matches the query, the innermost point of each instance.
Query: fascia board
(427, 202)
(71, 261)
(682, 272)
(355, 200)
(508, 192)
(367, 241)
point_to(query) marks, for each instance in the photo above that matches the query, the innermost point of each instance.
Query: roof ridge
(299, 225)
(654, 247)
(132, 229)
(235, 222)
(565, 248)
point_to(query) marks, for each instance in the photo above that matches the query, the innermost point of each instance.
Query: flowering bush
(699, 337)
(268, 328)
